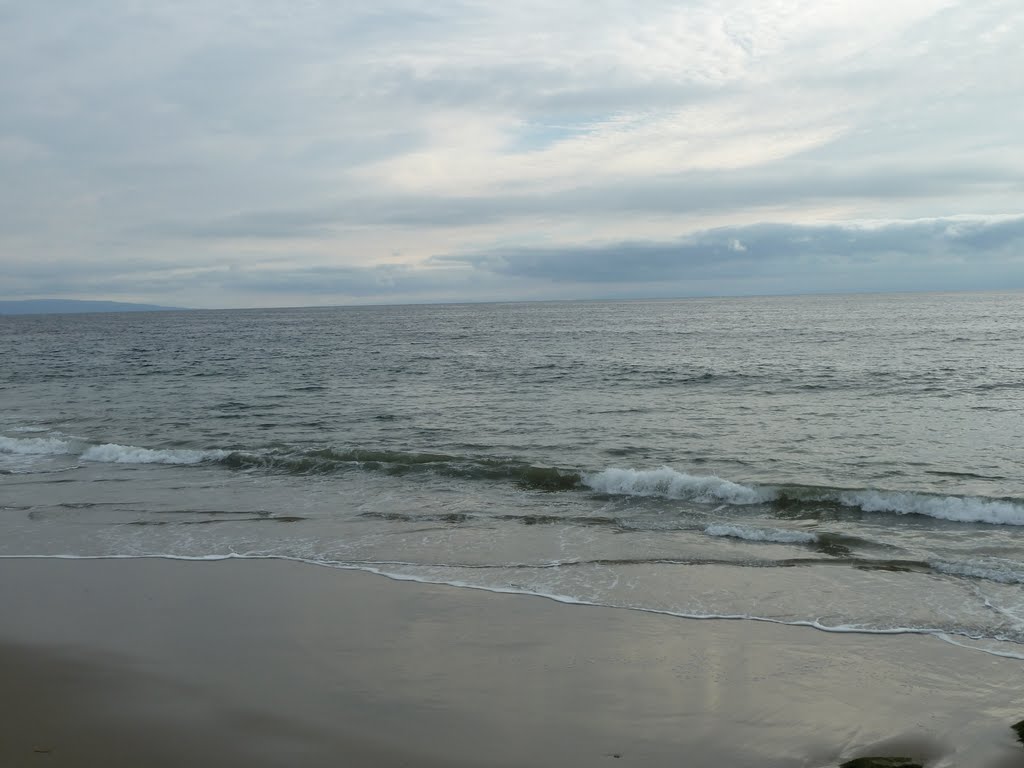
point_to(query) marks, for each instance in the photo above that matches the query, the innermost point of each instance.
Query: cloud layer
(282, 152)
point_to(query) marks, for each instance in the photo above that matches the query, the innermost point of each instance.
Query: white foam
(988, 570)
(963, 509)
(130, 454)
(668, 483)
(34, 446)
(775, 535)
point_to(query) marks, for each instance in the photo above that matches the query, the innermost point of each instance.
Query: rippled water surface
(847, 462)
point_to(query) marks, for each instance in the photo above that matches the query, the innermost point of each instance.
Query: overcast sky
(293, 152)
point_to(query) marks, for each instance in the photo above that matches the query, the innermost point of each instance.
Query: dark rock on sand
(881, 762)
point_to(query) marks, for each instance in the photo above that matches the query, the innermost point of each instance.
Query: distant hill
(67, 306)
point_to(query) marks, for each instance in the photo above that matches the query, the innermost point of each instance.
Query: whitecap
(130, 454)
(34, 446)
(963, 509)
(668, 483)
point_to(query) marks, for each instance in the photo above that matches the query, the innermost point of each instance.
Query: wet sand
(270, 663)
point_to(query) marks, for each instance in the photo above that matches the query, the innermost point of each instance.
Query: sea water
(850, 463)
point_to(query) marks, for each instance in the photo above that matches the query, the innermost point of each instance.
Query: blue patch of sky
(535, 136)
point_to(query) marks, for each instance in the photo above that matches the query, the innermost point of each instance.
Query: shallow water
(847, 462)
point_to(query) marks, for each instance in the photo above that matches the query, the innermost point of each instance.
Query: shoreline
(153, 661)
(935, 634)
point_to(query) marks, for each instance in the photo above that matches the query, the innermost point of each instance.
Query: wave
(584, 521)
(313, 461)
(1002, 572)
(961, 509)
(34, 446)
(663, 482)
(774, 535)
(129, 454)
(329, 460)
(670, 484)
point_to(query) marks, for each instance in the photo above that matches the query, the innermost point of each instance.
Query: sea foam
(35, 446)
(129, 454)
(670, 484)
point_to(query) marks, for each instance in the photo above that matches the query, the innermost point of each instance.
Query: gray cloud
(937, 254)
(940, 249)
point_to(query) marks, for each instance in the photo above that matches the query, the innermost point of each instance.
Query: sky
(306, 152)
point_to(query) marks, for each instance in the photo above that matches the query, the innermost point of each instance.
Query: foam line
(940, 634)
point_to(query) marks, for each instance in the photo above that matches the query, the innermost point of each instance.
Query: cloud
(936, 250)
(142, 144)
(776, 186)
(932, 254)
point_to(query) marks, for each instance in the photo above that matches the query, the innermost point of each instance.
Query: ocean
(849, 463)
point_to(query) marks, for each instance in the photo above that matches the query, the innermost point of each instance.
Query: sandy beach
(272, 663)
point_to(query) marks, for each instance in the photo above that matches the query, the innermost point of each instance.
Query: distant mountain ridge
(70, 306)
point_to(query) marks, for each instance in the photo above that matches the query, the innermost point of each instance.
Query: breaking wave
(664, 482)
(668, 483)
(961, 509)
(34, 446)
(129, 454)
